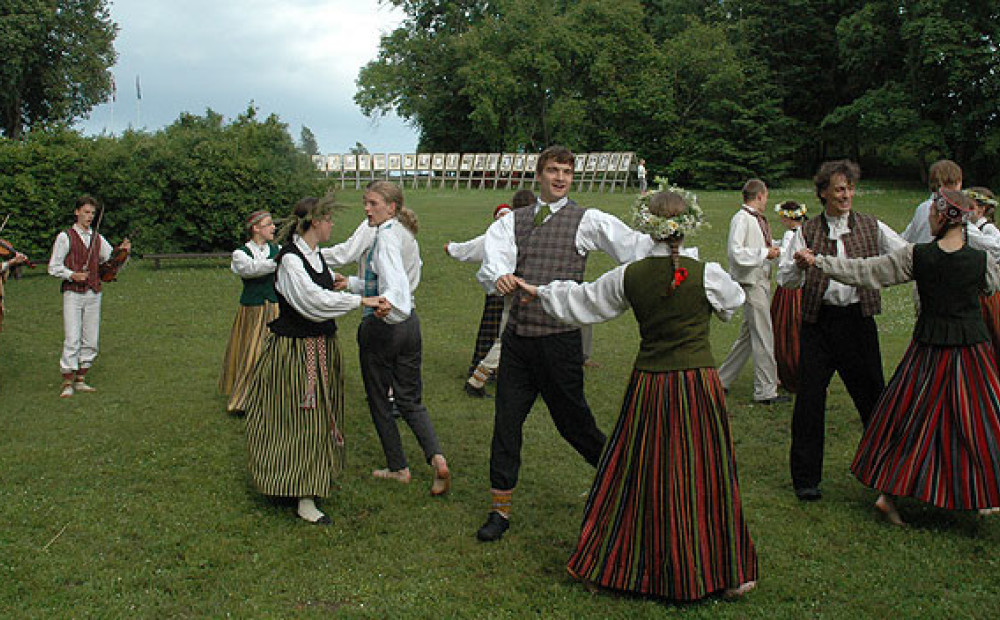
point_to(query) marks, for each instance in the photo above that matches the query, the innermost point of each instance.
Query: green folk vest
(949, 285)
(674, 326)
(260, 289)
(861, 242)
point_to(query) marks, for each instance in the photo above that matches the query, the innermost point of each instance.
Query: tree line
(710, 92)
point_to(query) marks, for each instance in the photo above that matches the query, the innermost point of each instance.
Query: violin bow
(4, 225)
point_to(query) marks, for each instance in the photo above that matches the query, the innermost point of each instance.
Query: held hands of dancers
(380, 304)
(804, 258)
(339, 282)
(530, 291)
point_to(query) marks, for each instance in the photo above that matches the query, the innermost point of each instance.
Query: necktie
(543, 212)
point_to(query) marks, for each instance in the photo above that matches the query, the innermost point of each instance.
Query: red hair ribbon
(680, 274)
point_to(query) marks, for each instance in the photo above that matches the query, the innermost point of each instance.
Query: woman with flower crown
(934, 434)
(982, 218)
(786, 304)
(664, 516)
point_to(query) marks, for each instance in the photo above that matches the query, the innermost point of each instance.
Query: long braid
(674, 242)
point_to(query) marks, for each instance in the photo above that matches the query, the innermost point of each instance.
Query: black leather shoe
(476, 392)
(808, 494)
(780, 398)
(494, 527)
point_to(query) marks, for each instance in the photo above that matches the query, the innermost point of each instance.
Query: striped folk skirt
(934, 434)
(990, 305)
(246, 340)
(786, 321)
(295, 417)
(664, 516)
(489, 329)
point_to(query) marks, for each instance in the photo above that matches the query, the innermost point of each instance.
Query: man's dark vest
(545, 253)
(80, 258)
(861, 242)
(290, 323)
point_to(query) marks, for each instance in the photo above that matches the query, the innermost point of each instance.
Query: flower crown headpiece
(952, 211)
(791, 209)
(661, 228)
(982, 199)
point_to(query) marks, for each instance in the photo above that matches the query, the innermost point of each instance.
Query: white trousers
(757, 339)
(82, 324)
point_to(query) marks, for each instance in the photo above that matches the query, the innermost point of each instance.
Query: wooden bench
(156, 258)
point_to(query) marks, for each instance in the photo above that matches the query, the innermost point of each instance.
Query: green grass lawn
(135, 501)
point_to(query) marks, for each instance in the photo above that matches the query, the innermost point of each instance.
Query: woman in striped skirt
(986, 206)
(254, 263)
(786, 305)
(934, 434)
(295, 402)
(664, 516)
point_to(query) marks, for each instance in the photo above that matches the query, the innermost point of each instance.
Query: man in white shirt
(945, 174)
(641, 174)
(751, 250)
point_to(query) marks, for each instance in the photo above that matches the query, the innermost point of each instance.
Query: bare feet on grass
(888, 510)
(402, 475)
(442, 476)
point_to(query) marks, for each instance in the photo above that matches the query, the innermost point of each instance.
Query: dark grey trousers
(390, 356)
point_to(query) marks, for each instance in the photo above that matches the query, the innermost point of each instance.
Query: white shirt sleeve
(984, 241)
(789, 274)
(57, 264)
(468, 251)
(499, 253)
(889, 240)
(308, 298)
(740, 253)
(724, 294)
(605, 232)
(874, 272)
(336, 256)
(393, 283)
(586, 303)
(919, 229)
(246, 267)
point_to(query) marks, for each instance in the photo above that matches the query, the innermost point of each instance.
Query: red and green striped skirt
(664, 516)
(990, 305)
(935, 434)
(786, 320)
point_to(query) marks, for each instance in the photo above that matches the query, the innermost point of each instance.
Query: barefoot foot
(741, 591)
(442, 476)
(402, 475)
(885, 506)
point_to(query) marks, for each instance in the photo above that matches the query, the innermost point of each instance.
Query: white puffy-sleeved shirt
(308, 298)
(919, 228)
(395, 259)
(60, 249)
(471, 251)
(597, 231)
(253, 267)
(836, 294)
(604, 299)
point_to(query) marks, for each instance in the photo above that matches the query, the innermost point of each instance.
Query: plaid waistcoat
(861, 242)
(545, 253)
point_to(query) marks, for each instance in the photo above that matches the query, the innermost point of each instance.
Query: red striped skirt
(934, 434)
(990, 305)
(664, 516)
(786, 319)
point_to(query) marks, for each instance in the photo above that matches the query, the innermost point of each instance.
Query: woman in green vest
(254, 263)
(664, 516)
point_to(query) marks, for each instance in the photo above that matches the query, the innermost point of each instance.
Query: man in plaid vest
(547, 241)
(838, 321)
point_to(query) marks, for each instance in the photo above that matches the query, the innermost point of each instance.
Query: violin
(8, 252)
(108, 270)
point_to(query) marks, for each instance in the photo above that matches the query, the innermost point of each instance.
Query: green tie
(543, 212)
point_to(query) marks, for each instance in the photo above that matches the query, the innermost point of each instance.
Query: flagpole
(138, 103)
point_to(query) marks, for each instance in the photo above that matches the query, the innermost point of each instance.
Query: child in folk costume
(664, 516)
(982, 218)
(77, 255)
(786, 304)
(390, 347)
(934, 434)
(486, 356)
(254, 263)
(295, 402)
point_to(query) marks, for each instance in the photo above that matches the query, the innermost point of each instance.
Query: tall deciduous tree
(56, 55)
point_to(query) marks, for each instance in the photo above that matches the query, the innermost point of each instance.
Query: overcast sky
(294, 58)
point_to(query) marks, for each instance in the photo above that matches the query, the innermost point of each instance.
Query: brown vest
(545, 253)
(79, 258)
(861, 242)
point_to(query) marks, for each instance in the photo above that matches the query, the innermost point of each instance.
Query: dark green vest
(949, 285)
(258, 290)
(674, 326)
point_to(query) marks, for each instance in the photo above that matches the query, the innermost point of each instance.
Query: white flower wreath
(982, 199)
(799, 211)
(661, 228)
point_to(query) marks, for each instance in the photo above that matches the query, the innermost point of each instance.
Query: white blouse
(604, 299)
(253, 267)
(308, 298)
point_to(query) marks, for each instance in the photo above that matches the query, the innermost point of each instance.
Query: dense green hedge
(185, 188)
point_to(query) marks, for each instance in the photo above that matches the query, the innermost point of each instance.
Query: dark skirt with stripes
(786, 321)
(664, 516)
(489, 329)
(295, 451)
(934, 434)
(990, 305)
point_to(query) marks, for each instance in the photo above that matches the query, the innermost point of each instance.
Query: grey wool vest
(545, 253)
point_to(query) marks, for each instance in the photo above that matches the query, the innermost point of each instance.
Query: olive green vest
(674, 326)
(260, 289)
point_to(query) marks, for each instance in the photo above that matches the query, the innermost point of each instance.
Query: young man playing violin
(9, 258)
(76, 258)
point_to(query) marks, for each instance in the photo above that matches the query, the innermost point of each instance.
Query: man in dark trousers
(547, 241)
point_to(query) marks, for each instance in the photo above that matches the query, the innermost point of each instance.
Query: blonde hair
(304, 213)
(392, 193)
